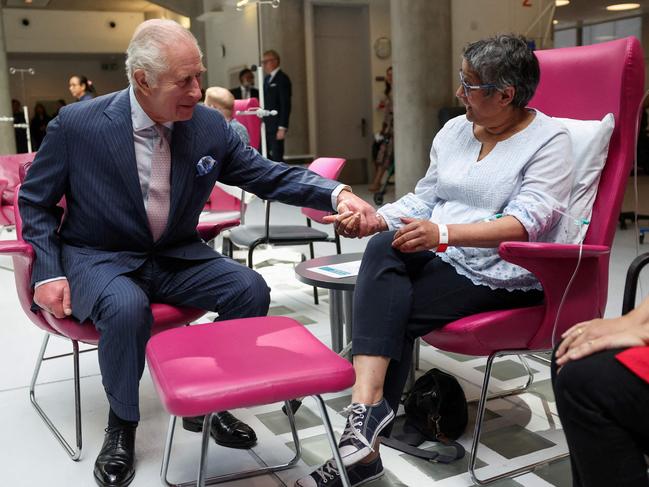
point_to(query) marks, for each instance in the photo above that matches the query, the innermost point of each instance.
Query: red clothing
(636, 359)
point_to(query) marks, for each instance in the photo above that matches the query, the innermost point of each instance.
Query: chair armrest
(551, 263)
(554, 265)
(208, 230)
(16, 248)
(631, 283)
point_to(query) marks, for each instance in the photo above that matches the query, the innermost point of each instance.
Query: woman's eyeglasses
(468, 88)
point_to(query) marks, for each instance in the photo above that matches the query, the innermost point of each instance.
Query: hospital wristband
(443, 238)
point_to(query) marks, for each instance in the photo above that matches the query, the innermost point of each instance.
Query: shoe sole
(362, 482)
(369, 479)
(196, 428)
(358, 455)
(123, 484)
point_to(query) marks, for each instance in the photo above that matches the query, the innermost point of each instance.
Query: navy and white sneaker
(364, 423)
(328, 474)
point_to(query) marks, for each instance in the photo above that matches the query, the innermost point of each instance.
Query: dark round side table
(341, 294)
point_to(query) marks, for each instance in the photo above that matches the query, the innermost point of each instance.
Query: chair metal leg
(516, 390)
(74, 454)
(332, 441)
(482, 403)
(201, 480)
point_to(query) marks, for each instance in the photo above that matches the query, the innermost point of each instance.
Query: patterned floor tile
(277, 422)
(507, 370)
(557, 473)
(280, 311)
(544, 389)
(514, 441)
(339, 403)
(315, 449)
(305, 320)
(457, 356)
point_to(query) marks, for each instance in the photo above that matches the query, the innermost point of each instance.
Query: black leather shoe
(226, 430)
(115, 464)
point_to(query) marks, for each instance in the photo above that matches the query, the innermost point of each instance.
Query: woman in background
(81, 88)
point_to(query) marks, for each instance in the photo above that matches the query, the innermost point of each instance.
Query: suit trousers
(274, 147)
(604, 410)
(122, 314)
(402, 296)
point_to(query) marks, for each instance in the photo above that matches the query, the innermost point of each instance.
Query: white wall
(51, 31)
(52, 72)
(235, 33)
(472, 20)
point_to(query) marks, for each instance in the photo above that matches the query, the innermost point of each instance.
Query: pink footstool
(203, 369)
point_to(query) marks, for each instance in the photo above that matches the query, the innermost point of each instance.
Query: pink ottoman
(203, 369)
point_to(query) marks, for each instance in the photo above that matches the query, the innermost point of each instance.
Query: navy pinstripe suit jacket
(88, 156)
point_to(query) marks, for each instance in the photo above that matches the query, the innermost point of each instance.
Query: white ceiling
(587, 11)
(591, 11)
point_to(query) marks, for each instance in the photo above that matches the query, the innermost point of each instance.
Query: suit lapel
(119, 140)
(182, 169)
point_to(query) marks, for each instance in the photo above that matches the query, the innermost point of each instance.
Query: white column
(421, 61)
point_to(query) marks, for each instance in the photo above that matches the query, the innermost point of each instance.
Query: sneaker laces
(355, 414)
(327, 471)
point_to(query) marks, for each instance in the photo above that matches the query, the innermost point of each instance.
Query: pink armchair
(9, 179)
(164, 316)
(583, 83)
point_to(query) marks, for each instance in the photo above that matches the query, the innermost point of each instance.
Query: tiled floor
(518, 429)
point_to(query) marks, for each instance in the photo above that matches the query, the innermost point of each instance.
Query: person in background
(38, 125)
(247, 88)
(222, 100)
(60, 103)
(19, 133)
(81, 88)
(277, 96)
(384, 151)
(600, 376)
(496, 174)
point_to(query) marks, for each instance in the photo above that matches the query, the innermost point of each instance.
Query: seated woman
(602, 392)
(496, 174)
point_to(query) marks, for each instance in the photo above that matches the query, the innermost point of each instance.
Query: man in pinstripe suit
(105, 261)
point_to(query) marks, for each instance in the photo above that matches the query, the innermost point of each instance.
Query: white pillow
(590, 140)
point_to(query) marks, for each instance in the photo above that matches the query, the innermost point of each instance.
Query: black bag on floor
(436, 410)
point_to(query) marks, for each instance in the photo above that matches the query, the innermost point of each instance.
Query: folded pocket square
(205, 165)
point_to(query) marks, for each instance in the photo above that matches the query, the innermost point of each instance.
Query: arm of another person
(293, 185)
(43, 188)
(534, 210)
(588, 337)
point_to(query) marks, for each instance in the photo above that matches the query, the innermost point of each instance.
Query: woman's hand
(593, 336)
(416, 235)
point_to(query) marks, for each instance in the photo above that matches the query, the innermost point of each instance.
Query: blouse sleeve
(419, 204)
(545, 188)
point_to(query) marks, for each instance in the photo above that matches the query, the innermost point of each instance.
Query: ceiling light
(241, 4)
(555, 22)
(561, 3)
(622, 6)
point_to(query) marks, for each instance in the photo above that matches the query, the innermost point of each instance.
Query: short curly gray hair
(505, 60)
(148, 47)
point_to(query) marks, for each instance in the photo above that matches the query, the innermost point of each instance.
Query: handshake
(356, 217)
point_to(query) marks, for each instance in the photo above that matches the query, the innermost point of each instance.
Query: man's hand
(416, 235)
(593, 336)
(281, 133)
(54, 297)
(356, 217)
